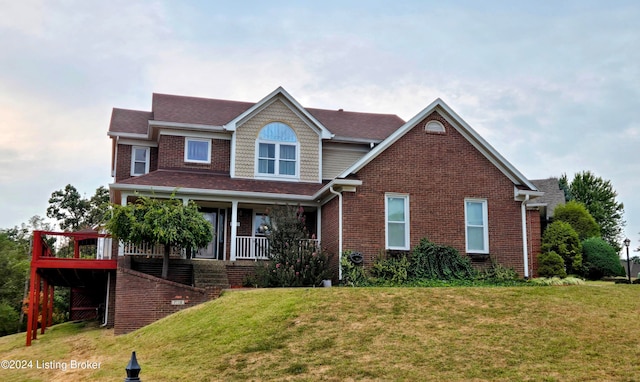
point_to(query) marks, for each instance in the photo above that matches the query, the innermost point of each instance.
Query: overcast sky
(554, 86)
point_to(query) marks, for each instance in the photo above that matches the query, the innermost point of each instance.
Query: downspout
(525, 249)
(339, 194)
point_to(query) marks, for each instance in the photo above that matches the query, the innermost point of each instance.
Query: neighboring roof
(194, 179)
(215, 112)
(129, 121)
(553, 195)
(358, 125)
(462, 127)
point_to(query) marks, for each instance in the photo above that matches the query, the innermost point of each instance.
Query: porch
(252, 248)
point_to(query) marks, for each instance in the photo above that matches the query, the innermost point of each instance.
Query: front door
(215, 249)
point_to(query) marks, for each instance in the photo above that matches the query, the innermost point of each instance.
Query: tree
(14, 266)
(75, 212)
(562, 239)
(167, 222)
(599, 197)
(576, 214)
(600, 259)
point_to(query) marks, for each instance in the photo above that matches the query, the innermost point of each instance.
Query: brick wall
(123, 163)
(438, 171)
(133, 287)
(238, 271)
(171, 154)
(330, 235)
(534, 239)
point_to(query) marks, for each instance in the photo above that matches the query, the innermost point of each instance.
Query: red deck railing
(43, 259)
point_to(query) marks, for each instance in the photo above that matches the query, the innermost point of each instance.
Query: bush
(562, 239)
(550, 264)
(576, 214)
(498, 273)
(557, 281)
(440, 262)
(600, 259)
(294, 261)
(352, 274)
(392, 269)
(9, 318)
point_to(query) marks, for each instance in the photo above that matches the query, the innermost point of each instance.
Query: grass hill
(577, 333)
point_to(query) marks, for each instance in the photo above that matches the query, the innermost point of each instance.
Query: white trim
(137, 142)
(189, 126)
(461, 126)
(233, 124)
(232, 160)
(234, 229)
(485, 225)
(147, 159)
(434, 126)
(186, 150)
(196, 134)
(127, 135)
(407, 221)
(340, 238)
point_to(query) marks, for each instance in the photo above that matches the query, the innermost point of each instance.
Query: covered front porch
(238, 229)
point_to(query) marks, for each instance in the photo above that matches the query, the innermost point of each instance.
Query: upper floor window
(477, 225)
(197, 150)
(277, 151)
(139, 160)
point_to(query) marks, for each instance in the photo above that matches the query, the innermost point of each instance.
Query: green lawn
(577, 333)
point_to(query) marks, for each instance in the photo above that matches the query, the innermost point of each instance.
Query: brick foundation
(161, 298)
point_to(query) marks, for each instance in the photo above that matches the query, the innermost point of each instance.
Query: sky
(554, 86)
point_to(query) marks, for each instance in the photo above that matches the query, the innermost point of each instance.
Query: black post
(628, 265)
(133, 369)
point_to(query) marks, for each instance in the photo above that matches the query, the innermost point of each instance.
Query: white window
(434, 127)
(277, 151)
(139, 160)
(397, 221)
(197, 150)
(477, 226)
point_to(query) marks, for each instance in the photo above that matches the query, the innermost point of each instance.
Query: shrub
(576, 214)
(557, 281)
(433, 261)
(600, 259)
(562, 239)
(550, 264)
(392, 269)
(498, 273)
(352, 274)
(294, 261)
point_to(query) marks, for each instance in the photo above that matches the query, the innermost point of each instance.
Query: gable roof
(462, 127)
(166, 108)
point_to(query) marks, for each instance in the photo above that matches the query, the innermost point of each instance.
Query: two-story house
(367, 182)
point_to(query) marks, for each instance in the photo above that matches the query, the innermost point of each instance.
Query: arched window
(277, 151)
(434, 127)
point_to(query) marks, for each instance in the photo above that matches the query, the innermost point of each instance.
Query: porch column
(234, 228)
(319, 224)
(123, 202)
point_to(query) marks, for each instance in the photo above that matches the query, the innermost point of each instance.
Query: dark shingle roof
(553, 195)
(129, 121)
(216, 112)
(205, 111)
(219, 181)
(357, 125)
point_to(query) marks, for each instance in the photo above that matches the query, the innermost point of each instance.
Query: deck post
(45, 306)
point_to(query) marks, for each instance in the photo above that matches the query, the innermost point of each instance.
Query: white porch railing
(247, 248)
(257, 248)
(150, 250)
